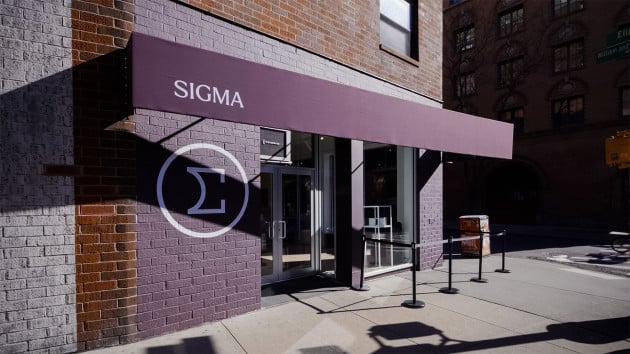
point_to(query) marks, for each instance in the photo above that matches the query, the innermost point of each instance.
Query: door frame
(277, 171)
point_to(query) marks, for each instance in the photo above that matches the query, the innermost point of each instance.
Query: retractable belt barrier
(414, 303)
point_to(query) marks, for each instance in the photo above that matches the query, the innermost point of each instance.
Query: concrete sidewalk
(540, 307)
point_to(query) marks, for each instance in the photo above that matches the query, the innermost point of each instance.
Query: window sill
(466, 96)
(569, 13)
(567, 71)
(399, 55)
(463, 51)
(511, 34)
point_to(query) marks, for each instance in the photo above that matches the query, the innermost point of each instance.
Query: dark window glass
(568, 56)
(510, 71)
(511, 21)
(515, 116)
(465, 39)
(568, 111)
(302, 149)
(465, 85)
(565, 7)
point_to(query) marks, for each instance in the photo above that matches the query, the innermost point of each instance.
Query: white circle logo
(196, 209)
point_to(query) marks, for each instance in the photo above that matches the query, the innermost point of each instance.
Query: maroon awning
(173, 77)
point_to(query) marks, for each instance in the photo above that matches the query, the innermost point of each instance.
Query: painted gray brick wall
(430, 208)
(37, 268)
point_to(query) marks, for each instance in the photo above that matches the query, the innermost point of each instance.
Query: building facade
(559, 71)
(162, 160)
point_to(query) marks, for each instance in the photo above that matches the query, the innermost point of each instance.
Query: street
(585, 249)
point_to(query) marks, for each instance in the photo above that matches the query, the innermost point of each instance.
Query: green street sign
(618, 37)
(614, 52)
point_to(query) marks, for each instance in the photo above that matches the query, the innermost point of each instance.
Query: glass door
(287, 225)
(267, 213)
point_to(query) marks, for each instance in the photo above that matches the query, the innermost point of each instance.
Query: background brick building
(535, 64)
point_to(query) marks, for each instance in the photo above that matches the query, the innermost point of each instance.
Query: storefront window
(302, 149)
(388, 207)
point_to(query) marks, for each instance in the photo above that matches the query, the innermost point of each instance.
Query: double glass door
(287, 225)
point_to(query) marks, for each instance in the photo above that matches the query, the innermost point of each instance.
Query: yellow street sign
(618, 150)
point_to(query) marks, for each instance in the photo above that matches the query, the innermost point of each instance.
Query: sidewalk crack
(234, 337)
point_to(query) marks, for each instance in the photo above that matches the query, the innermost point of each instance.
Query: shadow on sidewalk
(311, 284)
(596, 332)
(299, 288)
(193, 345)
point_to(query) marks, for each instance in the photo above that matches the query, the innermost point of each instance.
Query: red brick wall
(105, 187)
(347, 31)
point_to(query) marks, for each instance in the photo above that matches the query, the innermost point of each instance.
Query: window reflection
(388, 204)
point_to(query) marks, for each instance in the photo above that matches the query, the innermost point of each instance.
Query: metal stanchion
(479, 279)
(450, 289)
(362, 286)
(503, 270)
(413, 303)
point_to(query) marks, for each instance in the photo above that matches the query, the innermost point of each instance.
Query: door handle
(269, 230)
(283, 224)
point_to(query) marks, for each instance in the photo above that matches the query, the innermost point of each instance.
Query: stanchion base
(502, 271)
(364, 288)
(449, 290)
(479, 280)
(413, 304)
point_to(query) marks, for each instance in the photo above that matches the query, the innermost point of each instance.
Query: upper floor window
(511, 21)
(510, 71)
(465, 85)
(515, 116)
(465, 39)
(568, 56)
(565, 7)
(625, 102)
(398, 26)
(568, 111)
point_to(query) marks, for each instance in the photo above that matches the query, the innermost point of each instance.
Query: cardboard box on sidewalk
(473, 225)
